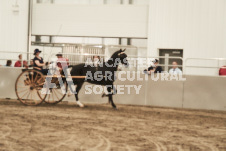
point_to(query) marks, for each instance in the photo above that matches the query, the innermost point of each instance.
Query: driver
(39, 63)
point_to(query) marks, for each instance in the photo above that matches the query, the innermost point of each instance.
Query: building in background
(185, 29)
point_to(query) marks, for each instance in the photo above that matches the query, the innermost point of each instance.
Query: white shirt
(175, 71)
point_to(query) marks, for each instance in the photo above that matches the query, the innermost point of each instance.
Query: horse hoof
(114, 107)
(80, 104)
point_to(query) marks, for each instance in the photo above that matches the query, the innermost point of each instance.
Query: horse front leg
(114, 92)
(78, 88)
(110, 97)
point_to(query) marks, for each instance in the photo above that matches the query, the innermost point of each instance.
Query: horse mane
(115, 54)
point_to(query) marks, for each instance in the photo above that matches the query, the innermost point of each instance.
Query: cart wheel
(56, 94)
(28, 87)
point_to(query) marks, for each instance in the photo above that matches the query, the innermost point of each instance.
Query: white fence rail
(191, 66)
(203, 66)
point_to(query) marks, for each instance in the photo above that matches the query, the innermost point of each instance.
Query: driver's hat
(36, 51)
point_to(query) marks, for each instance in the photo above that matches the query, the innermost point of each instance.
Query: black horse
(104, 74)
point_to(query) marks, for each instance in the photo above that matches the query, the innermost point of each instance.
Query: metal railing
(104, 56)
(149, 58)
(28, 58)
(203, 59)
(184, 65)
(136, 66)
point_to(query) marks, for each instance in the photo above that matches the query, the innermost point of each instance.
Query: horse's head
(123, 57)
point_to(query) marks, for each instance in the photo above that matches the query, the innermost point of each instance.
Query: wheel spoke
(35, 78)
(24, 95)
(56, 95)
(31, 94)
(32, 79)
(53, 96)
(36, 100)
(28, 77)
(48, 97)
(35, 81)
(21, 91)
(39, 80)
(22, 86)
(21, 82)
(28, 94)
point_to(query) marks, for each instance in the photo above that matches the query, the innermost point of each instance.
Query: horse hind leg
(78, 88)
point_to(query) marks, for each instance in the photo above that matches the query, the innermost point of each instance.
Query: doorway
(169, 61)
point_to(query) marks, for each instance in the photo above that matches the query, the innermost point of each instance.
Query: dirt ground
(99, 127)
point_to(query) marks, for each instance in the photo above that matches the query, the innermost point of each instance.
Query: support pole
(30, 3)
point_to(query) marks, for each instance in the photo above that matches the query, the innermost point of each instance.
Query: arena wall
(196, 26)
(13, 27)
(196, 92)
(89, 20)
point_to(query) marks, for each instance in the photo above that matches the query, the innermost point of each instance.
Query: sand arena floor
(99, 127)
